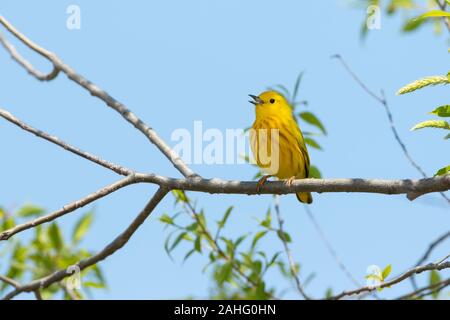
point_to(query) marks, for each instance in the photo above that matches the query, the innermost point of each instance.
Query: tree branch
(191, 182)
(443, 5)
(27, 65)
(110, 249)
(405, 275)
(111, 166)
(215, 246)
(427, 253)
(433, 288)
(96, 91)
(5, 235)
(330, 247)
(412, 188)
(383, 101)
(288, 252)
(10, 281)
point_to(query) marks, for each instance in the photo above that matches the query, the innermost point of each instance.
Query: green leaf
(198, 244)
(310, 118)
(91, 284)
(165, 218)
(434, 14)
(222, 222)
(442, 111)
(273, 260)
(267, 223)
(190, 253)
(329, 293)
(283, 90)
(440, 124)
(435, 278)
(180, 196)
(386, 271)
(8, 223)
(181, 236)
(314, 172)
(224, 272)
(256, 267)
(424, 82)
(412, 24)
(239, 240)
(98, 274)
(55, 235)
(443, 171)
(202, 219)
(284, 236)
(447, 137)
(30, 211)
(82, 226)
(312, 143)
(257, 237)
(297, 86)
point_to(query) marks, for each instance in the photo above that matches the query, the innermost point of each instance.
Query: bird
(273, 111)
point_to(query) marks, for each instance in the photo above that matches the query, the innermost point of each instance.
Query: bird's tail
(304, 197)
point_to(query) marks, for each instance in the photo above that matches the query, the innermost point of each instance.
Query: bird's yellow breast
(276, 149)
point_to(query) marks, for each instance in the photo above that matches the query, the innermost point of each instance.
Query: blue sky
(176, 62)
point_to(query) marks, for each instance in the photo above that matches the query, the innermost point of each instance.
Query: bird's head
(270, 103)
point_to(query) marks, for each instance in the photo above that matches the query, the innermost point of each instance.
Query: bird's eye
(272, 101)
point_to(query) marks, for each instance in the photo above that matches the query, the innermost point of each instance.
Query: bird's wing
(303, 149)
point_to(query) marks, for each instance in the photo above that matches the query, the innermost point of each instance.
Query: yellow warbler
(277, 142)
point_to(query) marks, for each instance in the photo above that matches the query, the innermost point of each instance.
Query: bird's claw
(289, 181)
(261, 182)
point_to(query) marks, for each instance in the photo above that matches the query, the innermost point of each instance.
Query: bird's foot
(289, 181)
(261, 182)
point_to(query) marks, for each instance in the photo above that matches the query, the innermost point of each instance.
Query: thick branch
(406, 275)
(110, 249)
(412, 188)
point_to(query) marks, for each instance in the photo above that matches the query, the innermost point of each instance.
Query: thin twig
(405, 275)
(111, 166)
(37, 294)
(110, 249)
(382, 100)
(215, 245)
(9, 281)
(427, 253)
(5, 235)
(433, 288)
(443, 5)
(330, 247)
(96, 91)
(26, 64)
(288, 252)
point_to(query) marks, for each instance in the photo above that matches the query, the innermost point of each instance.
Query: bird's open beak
(256, 99)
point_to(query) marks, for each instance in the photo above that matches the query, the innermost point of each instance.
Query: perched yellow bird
(291, 156)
